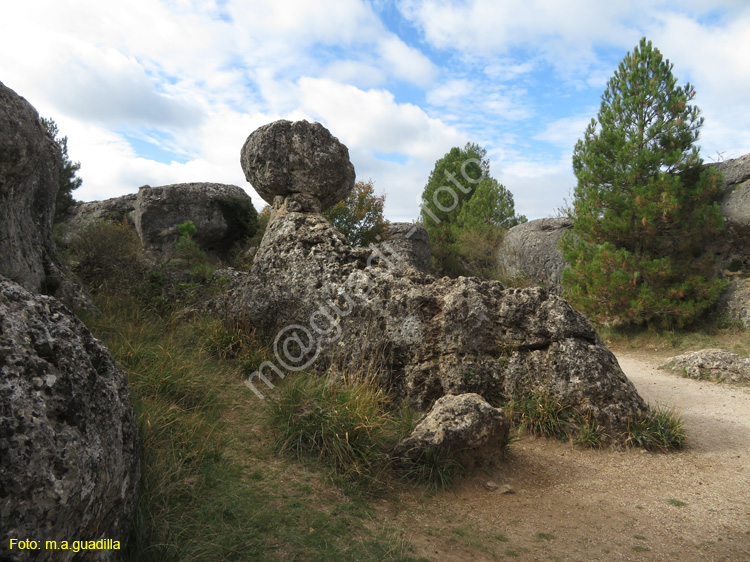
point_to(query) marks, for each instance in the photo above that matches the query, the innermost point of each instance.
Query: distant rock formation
(69, 448)
(711, 364)
(29, 180)
(531, 250)
(408, 245)
(84, 214)
(327, 304)
(732, 249)
(222, 214)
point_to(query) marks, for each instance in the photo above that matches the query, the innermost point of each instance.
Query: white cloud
(714, 59)
(374, 119)
(450, 92)
(199, 76)
(566, 131)
(405, 62)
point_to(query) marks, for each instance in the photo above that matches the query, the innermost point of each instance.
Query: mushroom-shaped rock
(300, 161)
(462, 427)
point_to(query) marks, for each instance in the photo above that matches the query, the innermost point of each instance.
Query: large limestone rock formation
(464, 428)
(531, 250)
(69, 453)
(298, 160)
(222, 215)
(29, 170)
(327, 304)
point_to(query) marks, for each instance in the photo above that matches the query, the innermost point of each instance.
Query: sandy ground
(573, 504)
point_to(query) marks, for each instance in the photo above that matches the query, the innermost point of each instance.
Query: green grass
(544, 415)
(343, 423)
(433, 469)
(675, 502)
(662, 429)
(212, 487)
(541, 414)
(545, 536)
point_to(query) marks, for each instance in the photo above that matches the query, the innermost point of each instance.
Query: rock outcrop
(732, 249)
(530, 250)
(329, 305)
(69, 452)
(84, 214)
(735, 302)
(29, 179)
(222, 214)
(408, 245)
(298, 160)
(710, 364)
(464, 428)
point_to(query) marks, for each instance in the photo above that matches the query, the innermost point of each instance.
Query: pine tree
(68, 181)
(465, 211)
(644, 206)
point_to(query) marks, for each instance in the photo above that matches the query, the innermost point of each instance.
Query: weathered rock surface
(531, 250)
(29, 169)
(299, 160)
(327, 303)
(732, 249)
(736, 300)
(408, 245)
(462, 427)
(82, 215)
(29, 162)
(222, 214)
(711, 364)
(69, 453)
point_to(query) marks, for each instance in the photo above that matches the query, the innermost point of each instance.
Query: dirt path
(573, 504)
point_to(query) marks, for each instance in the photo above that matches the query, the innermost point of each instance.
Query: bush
(107, 256)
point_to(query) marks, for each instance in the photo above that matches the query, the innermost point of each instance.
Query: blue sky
(166, 91)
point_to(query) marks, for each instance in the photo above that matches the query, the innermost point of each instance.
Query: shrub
(434, 469)
(107, 256)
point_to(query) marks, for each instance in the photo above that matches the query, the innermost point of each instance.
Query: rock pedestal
(327, 305)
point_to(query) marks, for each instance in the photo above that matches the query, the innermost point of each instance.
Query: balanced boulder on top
(299, 161)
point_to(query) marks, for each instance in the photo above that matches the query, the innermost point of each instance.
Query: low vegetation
(544, 415)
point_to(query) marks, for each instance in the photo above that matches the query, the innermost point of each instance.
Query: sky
(166, 91)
